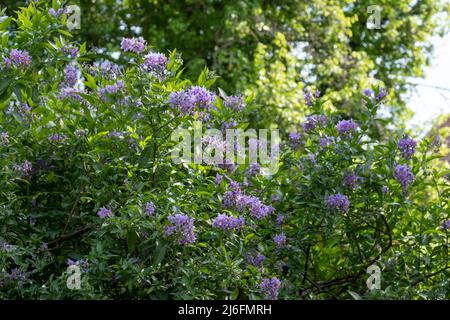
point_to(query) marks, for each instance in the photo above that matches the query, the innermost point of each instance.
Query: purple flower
(385, 190)
(270, 287)
(368, 93)
(24, 169)
(445, 225)
(71, 51)
(218, 179)
(111, 89)
(294, 138)
(308, 98)
(257, 209)
(407, 147)
(280, 240)
(253, 169)
(6, 247)
(106, 69)
(228, 223)
(280, 219)
(155, 62)
(403, 175)
(323, 142)
(136, 45)
(44, 246)
(312, 121)
(346, 127)
(149, 208)
(317, 94)
(234, 198)
(7, 61)
(256, 261)
(196, 99)
(56, 137)
(104, 213)
(4, 138)
(234, 102)
(72, 93)
(183, 226)
(350, 180)
(381, 94)
(16, 274)
(338, 201)
(71, 76)
(19, 58)
(57, 14)
(228, 125)
(24, 111)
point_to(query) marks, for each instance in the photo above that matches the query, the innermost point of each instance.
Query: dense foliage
(87, 179)
(276, 49)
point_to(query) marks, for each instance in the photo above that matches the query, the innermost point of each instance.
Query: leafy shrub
(87, 179)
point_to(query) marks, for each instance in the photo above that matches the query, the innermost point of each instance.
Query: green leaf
(132, 240)
(159, 254)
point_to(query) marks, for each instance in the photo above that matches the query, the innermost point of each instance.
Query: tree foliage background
(276, 49)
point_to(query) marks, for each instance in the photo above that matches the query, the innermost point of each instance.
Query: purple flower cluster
(4, 138)
(24, 169)
(312, 121)
(294, 139)
(72, 93)
(256, 260)
(228, 223)
(324, 142)
(196, 99)
(338, 201)
(183, 226)
(58, 13)
(236, 103)
(136, 45)
(270, 287)
(280, 240)
(17, 275)
(149, 208)
(368, 93)
(234, 198)
(308, 98)
(155, 62)
(346, 127)
(56, 137)
(445, 225)
(24, 111)
(253, 169)
(403, 175)
(407, 147)
(382, 93)
(71, 76)
(69, 50)
(106, 69)
(227, 165)
(350, 180)
(218, 179)
(280, 219)
(6, 247)
(20, 58)
(257, 209)
(104, 213)
(119, 86)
